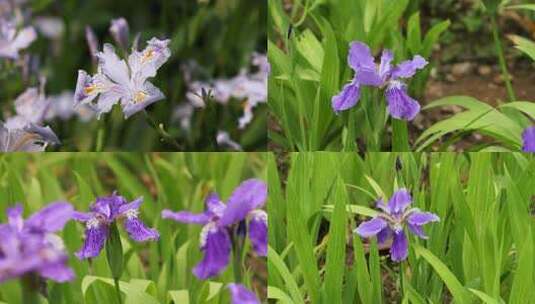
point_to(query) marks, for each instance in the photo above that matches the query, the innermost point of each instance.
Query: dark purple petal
(371, 227)
(138, 231)
(134, 205)
(249, 195)
(186, 217)
(384, 235)
(528, 138)
(216, 246)
(422, 218)
(82, 216)
(347, 98)
(418, 230)
(408, 68)
(51, 218)
(360, 56)
(58, 271)
(108, 206)
(400, 200)
(14, 217)
(385, 68)
(258, 232)
(95, 237)
(401, 105)
(400, 247)
(214, 204)
(241, 295)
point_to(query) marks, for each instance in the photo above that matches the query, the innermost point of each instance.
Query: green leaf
(414, 35)
(132, 292)
(114, 251)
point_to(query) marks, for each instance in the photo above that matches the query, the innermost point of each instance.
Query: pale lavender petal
(360, 56)
(24, 38)
(58, 271)
(385, 68)
(380, 203)
(400, 247)
(347, 98)
(112, 66)
(371, 227)
(85, 90)
(92, 42)
(216, 246)
(186, 217)
(214, 204)
(241, 295)
(95, 238)
(369, 76)
(141, 99)
(249, 195)
(133, 205)
(400, 200)
(401, 105)
(384, 235)
(422, 218)
(82, 216)
(138, 231)
(258, 226)
(528, 138)
(108, 99)
(120, 32)
(51, 218)
(14, 217)
(418, 230)
(408, 68)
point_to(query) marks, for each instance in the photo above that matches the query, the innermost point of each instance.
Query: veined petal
(407, 69)
(108, 99)
(347, 98)
(86, 90)
(258, 226)
(400, 247)
(528, 138)
(400, 200)
(249, 195)
(371, 227)
(214, 204)
(360, 56)
(422, 218)
(216, 246)
(385, 68)
(186, 217)
(95, 237)
(51, 218)
(401, 105)
(137, 230)
(241, 295)
(418, 230)
(14, 217)
(133, 205)
(112, 66)
(141, 99)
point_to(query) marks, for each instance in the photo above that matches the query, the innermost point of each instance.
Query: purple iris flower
(220, 220)
(31, 247)
(104, 212)
(241, 295)
(367, 72)
(13, 41)
(391, 223)
(528, 137)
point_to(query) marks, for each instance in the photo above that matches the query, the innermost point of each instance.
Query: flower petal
(216, 246)
(258, 232)
(82, 216)
(95, 237)
(51, 218)
(422, 218)
(120, 32)
(133, 205)
(407, 69)
(371, 227)
(528, 138)
(141, 99)
(400, 247)
(360, 56)
(369, 76)
(138, 231)
(249, 195)
(241, 295)
(186, 217)
(112, 66)
(400, 200)
(418, 230)
(347, 98)
(214, 204)
(85, 92)
(58, 271)
(401, 105)
(384, 235)
(385, 68)
(14, 217)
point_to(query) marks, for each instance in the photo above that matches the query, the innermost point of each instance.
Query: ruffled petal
(407, 69)
(422, 218)
(400, 200)
(138, 231)
(112, 66)
(216, 246)
(241, 295)
(401, 105)
(186, 217)
(400, 247)
(249, 195)
(51, 218)
(418, 230)
(371, 227)
(95, 238)
(528, 138)
(347, 98)
(141, 99)
(360, 56)
(258, 232)
(133, 205)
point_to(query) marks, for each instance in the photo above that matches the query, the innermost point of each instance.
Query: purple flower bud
(528, 138)
(120, 32)
(92, 42)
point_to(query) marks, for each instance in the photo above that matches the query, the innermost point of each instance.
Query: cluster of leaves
(154, 272)
(480, 251)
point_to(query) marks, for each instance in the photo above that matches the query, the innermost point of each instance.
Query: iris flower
(241, 295)
(220, 220)
(31, 247)
(528, 137)
(391, 223)
(103, 212)
(367, 72)
(31, 138)
(124, 81)
(12, 41)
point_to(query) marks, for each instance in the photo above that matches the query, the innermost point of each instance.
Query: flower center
(90, 89)
(140, 96)
(131, 214)
(148, 55)
(92, 223)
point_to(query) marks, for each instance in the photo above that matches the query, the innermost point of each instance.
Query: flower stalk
(400, 136)
(30, 289)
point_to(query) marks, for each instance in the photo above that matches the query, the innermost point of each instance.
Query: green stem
(30, 289)
(400, 136)
(162, 132)
(402, 278)
(238, 277)
(501, 58)
(117, 290)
